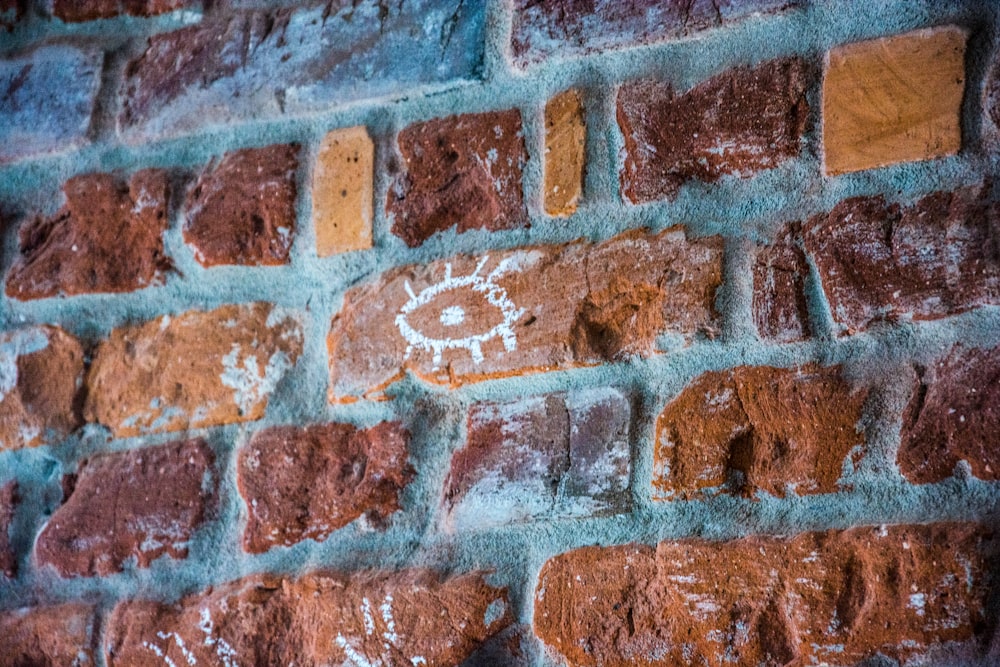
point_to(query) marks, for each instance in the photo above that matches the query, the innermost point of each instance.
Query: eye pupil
(452, 316)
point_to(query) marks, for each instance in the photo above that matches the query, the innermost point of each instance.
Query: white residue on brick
(223, 650)
(12, 346)
(244, 377)
(917, 602)
(389, 637)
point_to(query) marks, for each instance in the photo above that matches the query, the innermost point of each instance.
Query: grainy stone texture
(143, 503)
(780, 310)
(343, 191)
(525, 310)
(196, 369)
(8, 505)
(305, 483)
(895, 99)
(565, 133)
(242, 210)
(936, 257)
(88, 10)
(544, 456)
(817, 598)
(317, 620)
(53, 636)
(736, 123)
(108, 237)
(462, 171)
(758, 429)
(953, 415)
(41, 371)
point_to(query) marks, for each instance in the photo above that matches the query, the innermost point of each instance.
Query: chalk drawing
(390, 638)
(227, 656)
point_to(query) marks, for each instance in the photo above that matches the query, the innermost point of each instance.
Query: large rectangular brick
(54, 636)
(265, 64)
(565, 157)
(343, 191)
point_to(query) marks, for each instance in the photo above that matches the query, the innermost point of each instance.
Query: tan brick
(343, 192)
(564, 153)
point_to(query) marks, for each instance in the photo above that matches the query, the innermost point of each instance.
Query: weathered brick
(953, 415)
(46, 100)
(526, 310)
(895, 99)
(553, 455)
(108, 237)
(41, 371)
(343, 191)
(76, 10)
(934, 258)
(8, 505)
(834, 597)
(734, 124)
(413, 617)
(263, 64)
(758, 429)
(305, 483)
(53, 636)
(461, 171)
(559, 28)
(779, 298)
(565, 134)
(242, 210)
(196, 369)
(142, 503)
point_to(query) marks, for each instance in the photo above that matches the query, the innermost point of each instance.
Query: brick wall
(499, 333)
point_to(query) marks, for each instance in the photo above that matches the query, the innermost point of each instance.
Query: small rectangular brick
(526, 310)
(461, 171)
(758, 429)
(143, 503)
(54, 636)
(245, 65)
(735, 124)
(565, 133)
(8, 505)
(834, 597)
(192, 370)
(75, 11)
(894, 99)
(412, 617)
(343, 191)
(305, 483)
(779, 298)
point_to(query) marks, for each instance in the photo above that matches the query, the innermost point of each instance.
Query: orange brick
(343, 191)
(564, 153)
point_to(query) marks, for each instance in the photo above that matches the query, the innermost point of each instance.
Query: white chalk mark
(223, 650)
(356, 658)
(180, 644)
(390, 637)
(390, 623)
(366, 609)
(159, 652)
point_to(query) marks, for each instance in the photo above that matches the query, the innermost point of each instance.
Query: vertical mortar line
(388, 163)
(822, 324)
(734, 299)
(107, 104)
(603, 146)
(498, 28)
(303, 251)
(642, 446)
(532, 175)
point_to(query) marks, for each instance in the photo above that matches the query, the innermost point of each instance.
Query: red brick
(566, 306)
(758, 429)
(462, 171)
(834, 597)
(143, 503)
(54, 636)
(305, 483)
(196, 369)
(320, 619)
(8, 505)
(934, 258)
(242, 210)
(735, 124)
(87, 10)
(779, 299)
(108, 237)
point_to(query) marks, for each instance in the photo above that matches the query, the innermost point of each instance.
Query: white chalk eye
(452, 316)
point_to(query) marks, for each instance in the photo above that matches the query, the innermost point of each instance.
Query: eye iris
(452, 316)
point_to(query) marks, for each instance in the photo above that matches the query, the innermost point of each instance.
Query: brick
(193, 370)
(758, 429)
(8, 505)
(75, 11)
(151, 500)
(735, 124)
(460, 171)
(834, 597)
(779, 298)
(562, 28)
(953, 415)
(304, 483)
(48, 636)
(933, 258)
(565, 134)
(41, 371)
(239, 66)
(46, 100)
(544, 456)
(402, 618)
(344, 191)
(108, 237)
(242, 210)
(525, 310)
(894, 99)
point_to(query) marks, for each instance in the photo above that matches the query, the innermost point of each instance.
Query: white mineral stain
(244, 377)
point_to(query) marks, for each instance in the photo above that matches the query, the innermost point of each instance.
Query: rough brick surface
(242, 210)
(565, 134)
(41, 370)
(343, 191)
(934, 258)
(48, 636)
(953, 415)
(305, 483)
(411, 617)
(195, 369)
(108, 237)
(736, 123)
(261, 64)
(532, 309)
(462, 171)
(75, 10)
(8, 505)
(818, 598)
(553, 455)
(779, 298)
(142, 503)
(762, 429)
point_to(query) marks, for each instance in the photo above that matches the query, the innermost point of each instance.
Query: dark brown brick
(8, 504)
(779, 299)
(88, 10)
(55, 636)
